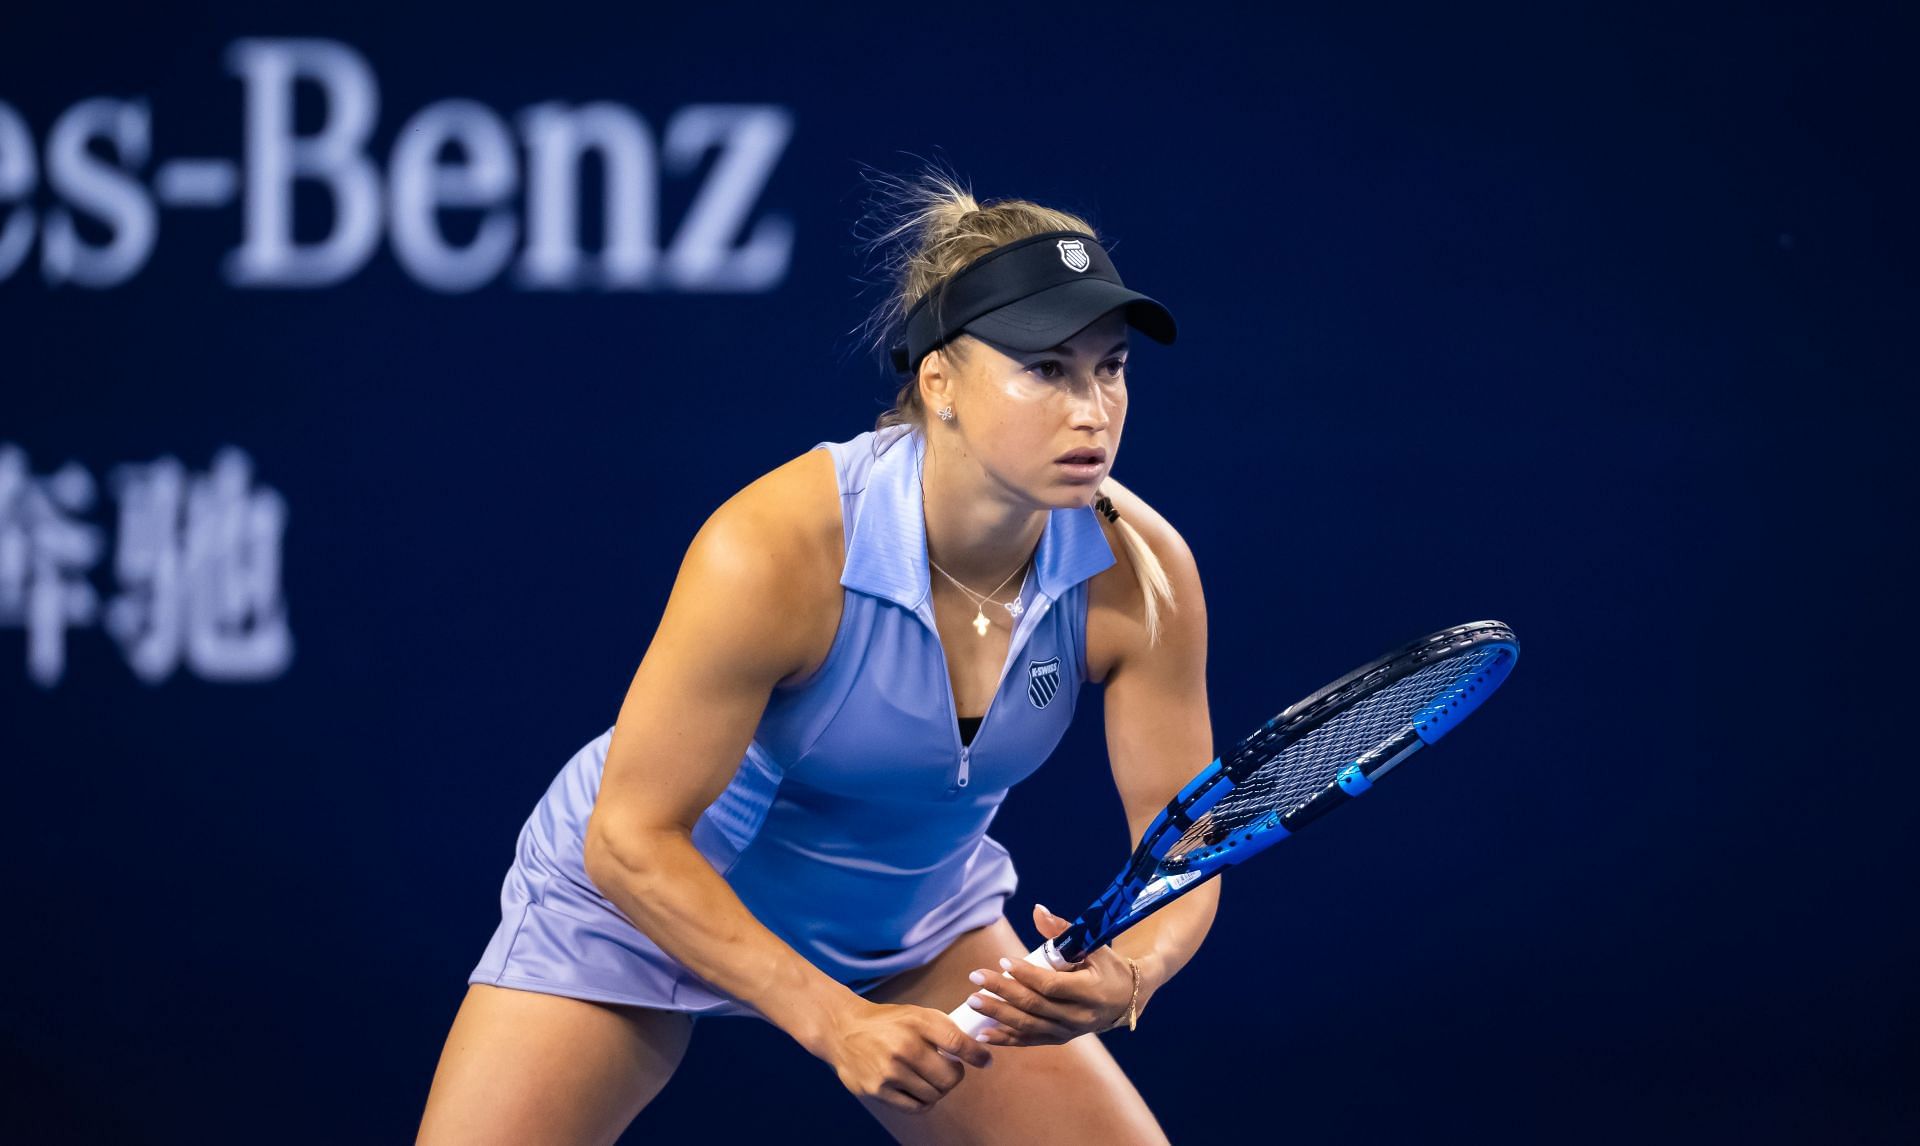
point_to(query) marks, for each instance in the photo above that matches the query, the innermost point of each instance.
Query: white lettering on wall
(18, 174)
(423, 184)
(333, 157)
(558, 140)
(751, 140)
(196, 566)
(514, 182)
(101, 190)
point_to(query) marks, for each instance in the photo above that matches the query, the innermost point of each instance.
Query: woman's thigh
(1065, 1094)
(523, 1067)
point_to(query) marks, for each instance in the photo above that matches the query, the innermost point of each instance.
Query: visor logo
(1073, 252)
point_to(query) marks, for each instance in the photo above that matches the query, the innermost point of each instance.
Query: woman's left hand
(1039, 1006)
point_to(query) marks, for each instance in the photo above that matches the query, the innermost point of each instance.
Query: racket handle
(973, 1022)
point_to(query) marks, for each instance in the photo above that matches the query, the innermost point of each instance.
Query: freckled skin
(990, 474)
(1023, 409)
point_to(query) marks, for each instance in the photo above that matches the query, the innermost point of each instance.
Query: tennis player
(864, 649)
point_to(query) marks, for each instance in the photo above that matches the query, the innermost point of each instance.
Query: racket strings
(1306, 766)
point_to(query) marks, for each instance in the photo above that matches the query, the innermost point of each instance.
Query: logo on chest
(1043, 680)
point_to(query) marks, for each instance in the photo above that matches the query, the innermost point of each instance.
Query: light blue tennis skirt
(560, 936)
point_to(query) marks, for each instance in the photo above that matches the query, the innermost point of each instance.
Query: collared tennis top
(857, 803)
(855, 826)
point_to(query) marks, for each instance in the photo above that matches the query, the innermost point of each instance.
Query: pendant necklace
(980, 622)
(980, 600)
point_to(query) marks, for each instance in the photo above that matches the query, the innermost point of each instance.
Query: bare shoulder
(755, 602)
(791, 513)
(770, 558)
(1116, 612)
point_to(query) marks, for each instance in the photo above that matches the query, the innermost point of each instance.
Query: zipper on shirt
(1022, 633)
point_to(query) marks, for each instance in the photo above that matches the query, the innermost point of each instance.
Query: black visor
(1032, 294)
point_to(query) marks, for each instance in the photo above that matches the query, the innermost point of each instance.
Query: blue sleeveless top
(855, 827)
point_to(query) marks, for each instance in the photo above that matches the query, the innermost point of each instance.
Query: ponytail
(1155, 589)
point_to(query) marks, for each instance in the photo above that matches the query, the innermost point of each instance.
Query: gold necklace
(980, 622)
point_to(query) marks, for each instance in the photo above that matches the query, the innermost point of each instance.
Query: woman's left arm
(1159, 735)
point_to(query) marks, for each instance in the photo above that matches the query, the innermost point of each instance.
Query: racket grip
(974, 1022)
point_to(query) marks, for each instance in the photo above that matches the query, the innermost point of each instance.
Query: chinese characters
(196, 567)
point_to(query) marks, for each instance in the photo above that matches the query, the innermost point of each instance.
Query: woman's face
(1044, 425)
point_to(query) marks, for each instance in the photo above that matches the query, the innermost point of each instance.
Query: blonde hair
(919, 231)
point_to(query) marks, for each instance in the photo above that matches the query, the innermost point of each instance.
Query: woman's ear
(937, 379)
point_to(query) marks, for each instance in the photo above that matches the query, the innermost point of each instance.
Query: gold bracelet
(1133, 1004)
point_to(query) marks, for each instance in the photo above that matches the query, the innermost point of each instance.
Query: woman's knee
(521, 1066)
(1074, 1094)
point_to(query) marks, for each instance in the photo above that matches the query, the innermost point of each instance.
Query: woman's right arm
(753, 604)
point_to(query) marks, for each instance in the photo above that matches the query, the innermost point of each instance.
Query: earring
(946, 413)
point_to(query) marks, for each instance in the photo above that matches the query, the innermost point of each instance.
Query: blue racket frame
(1150, 880)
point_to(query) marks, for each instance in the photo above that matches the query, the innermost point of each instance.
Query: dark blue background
(1596, 321)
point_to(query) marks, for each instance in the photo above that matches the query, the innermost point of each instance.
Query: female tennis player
(863, 650)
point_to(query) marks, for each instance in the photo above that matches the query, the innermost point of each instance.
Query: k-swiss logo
(1043, 680)
(1073, 252)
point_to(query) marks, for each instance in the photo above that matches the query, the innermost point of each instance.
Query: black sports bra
(968, 726)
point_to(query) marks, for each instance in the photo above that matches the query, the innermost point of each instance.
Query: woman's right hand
(893, 1054)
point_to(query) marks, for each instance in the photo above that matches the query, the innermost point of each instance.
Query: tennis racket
(1318, 755)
